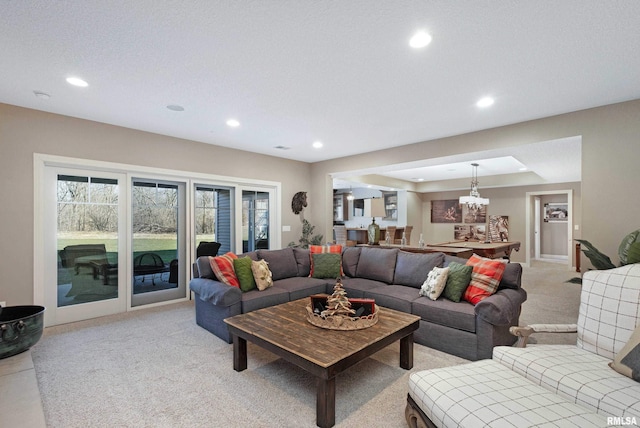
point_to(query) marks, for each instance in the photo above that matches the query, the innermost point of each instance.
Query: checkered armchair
(544, 385)
(609, 313)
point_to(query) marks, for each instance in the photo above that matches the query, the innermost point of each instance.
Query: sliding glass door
(88, 226)
(213, 220)
(158, 241)
(111, 237)
(255, 220)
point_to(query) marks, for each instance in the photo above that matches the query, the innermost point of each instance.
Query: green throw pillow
(326, 265)
(457, 281)
(242, 266)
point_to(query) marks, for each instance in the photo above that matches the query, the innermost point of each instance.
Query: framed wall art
(446, 211)
(556, 212)
(499, 228)
(464, 232)
(475, 216)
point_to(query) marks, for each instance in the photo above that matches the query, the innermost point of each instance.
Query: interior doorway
(549, 227)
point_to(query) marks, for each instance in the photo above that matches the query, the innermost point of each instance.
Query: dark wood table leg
(406, 352)
(239, 354)
(326, 403)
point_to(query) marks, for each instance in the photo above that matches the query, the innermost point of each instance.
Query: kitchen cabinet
(340, 207)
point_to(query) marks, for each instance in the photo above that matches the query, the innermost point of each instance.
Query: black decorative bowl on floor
(20, 328)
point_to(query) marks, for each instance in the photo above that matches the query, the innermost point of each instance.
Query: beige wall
(610, 151)
(24, 132)
(508, 201)
(610, 138)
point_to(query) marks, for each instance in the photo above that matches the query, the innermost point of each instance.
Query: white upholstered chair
(575, 382)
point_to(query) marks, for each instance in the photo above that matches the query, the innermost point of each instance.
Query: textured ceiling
(296, 71)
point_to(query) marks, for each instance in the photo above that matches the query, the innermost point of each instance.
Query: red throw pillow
(485, 278)
(222, 266)
(319, 249)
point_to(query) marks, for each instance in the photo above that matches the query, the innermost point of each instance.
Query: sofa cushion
(255, 299)
(445, 312)
(303, 261)
(282, 263)
(326, 265)
(485, 277)
(299, 288)
(398, 297)
(325, 249)
(627, 362)
(350, 257)
(204, 268)
(412, 268)
(448, 259)
(435, 282)
(262, 274)
(356, 287)
(579, 376)
(253, 255)
(512, 276)
(457, 281)
(377, 264)
(242, 267)
(222, 267)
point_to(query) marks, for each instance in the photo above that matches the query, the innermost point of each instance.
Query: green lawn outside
(162, 244)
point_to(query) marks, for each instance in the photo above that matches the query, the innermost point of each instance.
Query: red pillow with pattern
(222, 266)
(319, 249)
(485, 278)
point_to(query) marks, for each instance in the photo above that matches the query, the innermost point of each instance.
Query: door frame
(530, 219)
(43, 257)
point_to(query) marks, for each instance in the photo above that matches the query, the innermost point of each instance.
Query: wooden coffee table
(285, 331)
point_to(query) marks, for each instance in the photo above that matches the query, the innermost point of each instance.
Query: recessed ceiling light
(524, 168)
(485, 102)
(175, 107)
(420, 40)
(233, 123)
(42, 95)
(420, 179)
(317, 144)
(76, 81)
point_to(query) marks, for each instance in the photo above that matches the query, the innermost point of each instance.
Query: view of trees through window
(87, 238)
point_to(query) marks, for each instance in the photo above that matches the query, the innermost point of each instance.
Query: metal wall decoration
(299, 202)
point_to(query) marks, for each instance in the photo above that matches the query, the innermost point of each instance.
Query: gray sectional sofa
(390, 276)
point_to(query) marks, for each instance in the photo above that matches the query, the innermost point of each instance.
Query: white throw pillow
(435, 282)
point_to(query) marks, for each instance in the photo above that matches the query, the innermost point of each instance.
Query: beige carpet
(157, 368)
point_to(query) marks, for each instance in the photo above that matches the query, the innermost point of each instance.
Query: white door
(84, 244)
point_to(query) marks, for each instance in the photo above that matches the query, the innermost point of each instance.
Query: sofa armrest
(501, 308)
(215, 292)
(523, 333)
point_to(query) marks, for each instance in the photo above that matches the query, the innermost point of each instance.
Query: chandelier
(474, 201)
(350, 194)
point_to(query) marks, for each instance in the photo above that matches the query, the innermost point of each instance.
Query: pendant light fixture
(474, 202)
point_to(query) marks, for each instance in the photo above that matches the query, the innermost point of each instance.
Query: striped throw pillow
(222, 266)
(485, 278)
